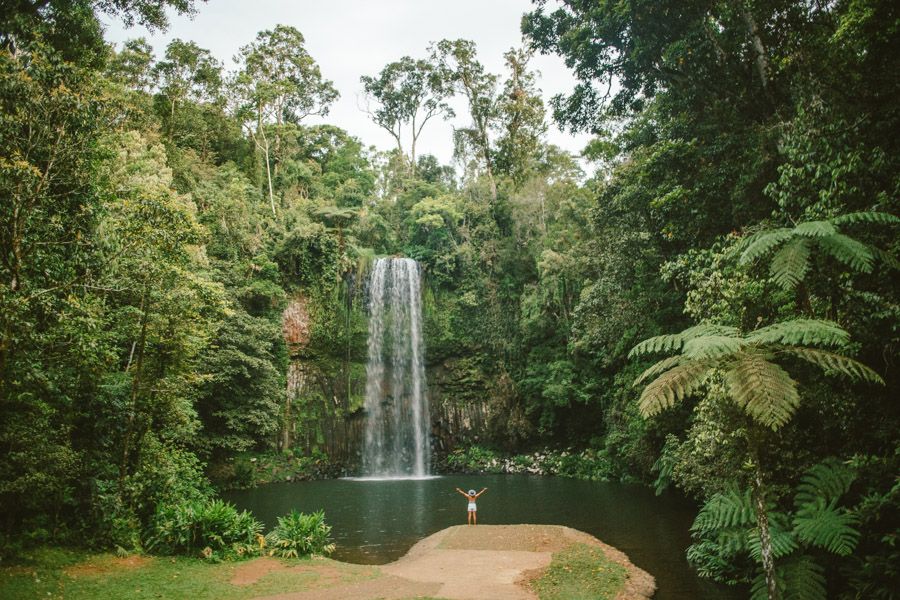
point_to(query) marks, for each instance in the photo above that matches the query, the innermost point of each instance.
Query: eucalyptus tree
(188, 72)
(470, 78)
(278, 82)
(408, 93)
(520, 118)
(133, 65)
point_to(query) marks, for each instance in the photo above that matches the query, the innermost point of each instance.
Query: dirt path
(487, 562)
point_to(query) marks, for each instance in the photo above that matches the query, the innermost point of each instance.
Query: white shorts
(472, 507)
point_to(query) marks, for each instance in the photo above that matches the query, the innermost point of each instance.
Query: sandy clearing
(485, 562)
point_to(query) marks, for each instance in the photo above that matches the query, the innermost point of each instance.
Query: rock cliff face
(295, 323)
(323, 405)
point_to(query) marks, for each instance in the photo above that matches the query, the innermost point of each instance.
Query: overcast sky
(350, 38)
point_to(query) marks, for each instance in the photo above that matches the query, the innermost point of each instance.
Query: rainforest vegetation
(182, 259)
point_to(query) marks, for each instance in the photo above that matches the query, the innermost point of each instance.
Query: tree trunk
(762, 60)
(765, 536)
(135, 385)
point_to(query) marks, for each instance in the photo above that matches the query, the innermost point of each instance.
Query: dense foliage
(183, 257)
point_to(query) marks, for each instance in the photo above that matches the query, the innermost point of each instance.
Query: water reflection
(375, 522)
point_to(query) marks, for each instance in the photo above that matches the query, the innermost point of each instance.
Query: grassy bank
(580, 572)
(74, 575)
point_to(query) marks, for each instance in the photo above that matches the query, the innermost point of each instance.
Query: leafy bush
(727, 541)
(214, 529)
(298, 534)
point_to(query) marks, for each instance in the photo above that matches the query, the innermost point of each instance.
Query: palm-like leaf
(711, 346)
(836, 363)
(725, 510)
(763, 389)
(672, 386)
(866, 217)
(808, 332)
(855, 255)
(763, 242)
(827, 526)
(675, 341)
(659, 367)
(799, 579)
(790, 264)
(827, 480)
(815, 229)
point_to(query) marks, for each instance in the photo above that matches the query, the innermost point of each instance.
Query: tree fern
(882, 218)
(783, 542)
(711, 346)
(659, 367)
(791, 261)
(790, 264)
(833, 363)
(672, 386)
(806, 332)
(818, 520)
(827, 526)
(675, 341)
(763, 242)
(829, 480)
(855, 255)
(815, 229)
(798, 579)
(725, 510)
(763, 389)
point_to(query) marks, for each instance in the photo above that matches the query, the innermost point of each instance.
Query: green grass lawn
(59, 573)
(580, 572)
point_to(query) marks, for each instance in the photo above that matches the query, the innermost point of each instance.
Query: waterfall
(397, 419)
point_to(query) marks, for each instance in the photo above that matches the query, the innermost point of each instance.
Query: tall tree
(521, 119)
(278, 82)
(408, 94)
(480, 89)
(188, 72)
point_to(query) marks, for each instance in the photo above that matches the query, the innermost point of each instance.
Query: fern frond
(763, 389)
(763, 242)
(815, 229)
(660, 367)
(827, 480)
(836, 363)
(674, 341)
(822, 524)
(803, 579)
(806, 332)
(790, 264)
(866, 217)
(672, 386)
(886, 257)
(783, 542)
(855, 255)
(798, 579)
(725, 510)
(711, 346)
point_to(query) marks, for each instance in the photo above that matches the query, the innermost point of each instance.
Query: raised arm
(481, 492)
(462, 492)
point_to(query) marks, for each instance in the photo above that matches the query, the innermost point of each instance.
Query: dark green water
(375, 522)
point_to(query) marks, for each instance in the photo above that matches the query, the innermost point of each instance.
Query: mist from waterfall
(397, 419)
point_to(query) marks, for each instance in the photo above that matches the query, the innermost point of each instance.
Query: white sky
(350, 38)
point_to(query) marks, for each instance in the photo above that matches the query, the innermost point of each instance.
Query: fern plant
(748, 362)
(793, 246)
(724, 532)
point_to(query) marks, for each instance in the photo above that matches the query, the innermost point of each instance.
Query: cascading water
(397, 437)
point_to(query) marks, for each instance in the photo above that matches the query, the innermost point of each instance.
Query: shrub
(214, 529)
(299, 534)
